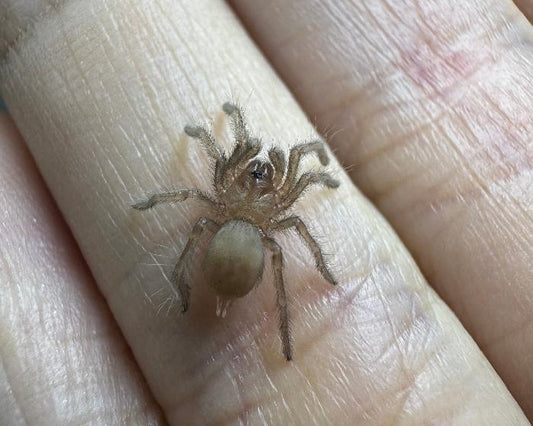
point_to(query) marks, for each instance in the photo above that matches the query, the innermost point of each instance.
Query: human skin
(101, 92)
(526, 6)
(439, 127)
(63, 357)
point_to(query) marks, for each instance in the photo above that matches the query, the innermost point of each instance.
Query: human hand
(430, 104)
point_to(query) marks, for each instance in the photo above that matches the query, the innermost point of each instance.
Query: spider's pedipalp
(206, 139)
(244, 152)
(301, 228)
(308, 178)
(239, 127)
(277, 157)
(281, 295)
(239, 159)
(178, 275)
(173, 197)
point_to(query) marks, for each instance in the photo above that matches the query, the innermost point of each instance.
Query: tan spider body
(252, 197)
(234, 260)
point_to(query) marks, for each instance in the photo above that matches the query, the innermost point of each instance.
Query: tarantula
(252, 196)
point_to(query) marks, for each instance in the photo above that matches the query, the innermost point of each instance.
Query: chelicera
(252, 196)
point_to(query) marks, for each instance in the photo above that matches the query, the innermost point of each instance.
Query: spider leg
(295, 156)
(277, 265)
(296, 222)
(308, 178)
(206, 139)
(178, 275)
(174, 197)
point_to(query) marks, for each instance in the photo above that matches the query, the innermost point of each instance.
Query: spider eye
(257, 174)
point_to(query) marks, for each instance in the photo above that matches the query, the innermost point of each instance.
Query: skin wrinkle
(249, 403)
(402, 140)
(410, 382)
(196, 65)
(409, 391)
(512, 139)
(394, 343)
(461, 196)
(150, 95)
(132, 103)
(463, 165)
(425, 79)
(230, 410)
(419, 205)
(246, 416)
(227, 352)
(264, 399)
(466, 125)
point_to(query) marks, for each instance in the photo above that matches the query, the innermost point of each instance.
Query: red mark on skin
(439, 70)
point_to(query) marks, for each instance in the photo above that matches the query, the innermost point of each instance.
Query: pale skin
(101, 92)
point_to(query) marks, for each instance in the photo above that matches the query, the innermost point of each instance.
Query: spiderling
(251, 200)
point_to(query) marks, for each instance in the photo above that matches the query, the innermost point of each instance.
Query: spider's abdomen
(234, 260)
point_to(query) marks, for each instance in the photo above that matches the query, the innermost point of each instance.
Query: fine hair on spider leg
(252, 195)
(154, 282)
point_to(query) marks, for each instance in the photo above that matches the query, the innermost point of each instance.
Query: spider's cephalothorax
(252, 197)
